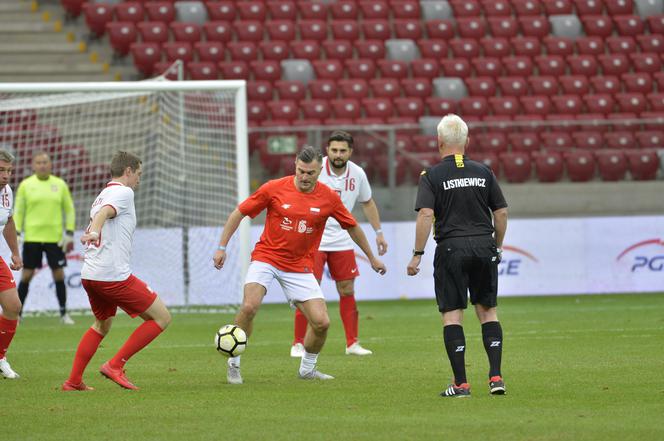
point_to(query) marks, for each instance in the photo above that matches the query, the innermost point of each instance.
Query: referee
(460, 195)
(42, 201)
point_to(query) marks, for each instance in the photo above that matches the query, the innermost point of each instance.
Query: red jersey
(294, 223)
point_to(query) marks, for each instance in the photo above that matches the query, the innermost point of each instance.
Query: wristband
(69, 233)
(378, 231)
(221, 248)
(417, 253)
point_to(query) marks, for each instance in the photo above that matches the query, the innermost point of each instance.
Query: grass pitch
(576, 368)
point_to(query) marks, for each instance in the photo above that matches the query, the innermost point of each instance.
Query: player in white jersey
(107, 279)
(336, 248)
(9, 301)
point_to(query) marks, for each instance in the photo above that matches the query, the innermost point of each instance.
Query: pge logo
(650, 256)
(511, 265)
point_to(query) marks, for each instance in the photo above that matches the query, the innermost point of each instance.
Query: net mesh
(187, 142)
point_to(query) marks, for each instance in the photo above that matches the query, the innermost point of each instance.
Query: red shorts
(132, 295)
(342, 264)
(6, 277)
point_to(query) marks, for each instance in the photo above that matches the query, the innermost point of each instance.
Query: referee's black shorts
(462, 265)
(33, 252)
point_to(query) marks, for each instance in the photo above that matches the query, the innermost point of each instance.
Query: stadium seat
(203, 70)
(612, 165)
(281, 30)
(313, 10)
(527, 7)
(153, 32)
(73, 8)
(233, 70)
(637, 82)
(599, 103)
(209, 51)
(643, 165)
(588, 7)
(619, 7)
(471, 27)
(409, 107)
(489, 159)
(553, 65)
(580, 165)
(219, 31)
(450, 88)
(251, 10)
(407, 29)
(566, 26)
(374, 9)
(242, 50)
(526, 46)
(145, 55)
(498, 8)
(316, 109)
(346, 30)
(385, 87)
(558, 7)
(536, 104)
(465, 8)
(439, 10)
(621, 45)
(346, 108)
(259, 91)
(659, 79)
(614, 64)
(375, 30)
(597, 25)
(322, 89)
(266, 70)
(344, 10)
(605, 84)
(290, 90)
(283, 110)
(221, 10)
(556, 140)
(582, 64)
(494, 47)
(620, 140)
(651, 139)
(361, 68)
(401, 50)
(354, 88)
(305, 50)
(481, 86)
(417, 87)
(590, 46)
(588, 140)
(440, 106)
(495, 142)
(405, 9)
(176, 50)
(425, 68)
(574, 84)
(534, 26)
(313, 30)
(503, 27)
(549, 166)
(656, 101)
(487, 67)
(646, 62)
(129, 12)
(646, 8)
(425, 144)
(629, 24)
(505, 105)
(191, 11)
(562, 46)
(516, 166)
(97, 15)
(440, 29)
(474, 106)
(543, 85)
(393, 68)
(248, 31)
(371, 49)
(465, 48)
(160, 11)
(185, 32)
(513, 86)
(518, 66)
(282, 10)
(328, 69)
(121, 35)
(274, 50)
(338, 49)
(631, 102)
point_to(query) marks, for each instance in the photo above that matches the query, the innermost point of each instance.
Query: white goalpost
(192, 139)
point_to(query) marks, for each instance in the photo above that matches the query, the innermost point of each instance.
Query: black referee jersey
(462, 194)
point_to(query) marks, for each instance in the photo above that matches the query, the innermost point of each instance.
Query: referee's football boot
(233, 374)
(7, 371)
(315, 375)
(460, 391)
(497, 385)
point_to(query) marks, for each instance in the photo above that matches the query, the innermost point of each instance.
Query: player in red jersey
(297, 210)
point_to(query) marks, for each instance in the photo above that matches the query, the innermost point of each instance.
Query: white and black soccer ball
(230, 340)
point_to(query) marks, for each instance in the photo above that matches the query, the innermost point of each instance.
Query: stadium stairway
(37, 45)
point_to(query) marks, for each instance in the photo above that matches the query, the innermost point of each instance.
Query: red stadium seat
(129, 12)
(489, 159)
(481, 86)
(543, 85)
(251, 10)
(145, 55)
(549, 166)
(73, 8)
(605, 84)
(561, 46)
(322, 89)
(455, 67)
(328, 69)
(267, 70)
(557, 140)
(281, 30)
(513, 86)
(176, 50)
(346, 30)
(487, 66)
(435, 49)
(374, 9)
(338, 49)
(203, 70)
(121, 35)
(162, 11)
(620, 140)
(617, 7)
(274, 50)
(527, 7)
(588, 140)
(259, 91)
(590, 45)
(251, 31)
(185, 32)
(305, 49)
(656, 101)
(153, 32)
(659, 79)
(441, 106)
(282, 10)
(417, 87)
(374, 30)
(346, 108)
(316, 109)
(526, 46)
(243, 50)
(648, 62)
(361, 68)
(440, 29)
(410, 107)
(424, 68)
(535, 26)
(97, 15)
(631, 102)
(612, 165)
(651, 139)
(518, 66)
(551, 65)
(558, 7)
(497, 8)
(599, 103)
(568, 104)
(290, 90)
(494, 47)
(504, 27)
(471, 27)
(582, 64)
(425, 143)
(313, 30)
(407, 28)
(474, 106)
(495, 142)
(209, 51)
(354, 88)
(385, 87)
(283, 110)
(233, 70)
(465, 48)
(536, 104)
(516, 166)
(621, 45)
(597, 25)
(465, 8)
(643, 165)
(393, 68)
(312, 10)
(656, 24)
(505, 105)
(629, 24)
(220, 31)
(372, 49)
(408, 9)
(221, 10)
(588, 7)
(650, 42)
(580, 165)
(575, 84)
(637, 82)
(344, 10)
(614, 64)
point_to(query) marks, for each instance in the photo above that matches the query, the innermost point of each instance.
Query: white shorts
(298, 287)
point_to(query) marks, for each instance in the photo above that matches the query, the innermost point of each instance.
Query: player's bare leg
(315, 310)
(350, 317)
(251, 303)
(11, 307)
(492, 337)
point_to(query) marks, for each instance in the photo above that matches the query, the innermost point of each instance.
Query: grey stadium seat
(297, 70)
(566, 26)
(429, 125)
(191, 12)
(450, 87)
(401, 49)
(436, 10)
(646, 8)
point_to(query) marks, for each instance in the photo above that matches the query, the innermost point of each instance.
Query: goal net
(192, 139)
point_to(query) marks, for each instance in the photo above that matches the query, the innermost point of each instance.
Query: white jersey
(108, 259)
(7, 204)
(352, 186)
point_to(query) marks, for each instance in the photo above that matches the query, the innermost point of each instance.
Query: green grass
(576, 368)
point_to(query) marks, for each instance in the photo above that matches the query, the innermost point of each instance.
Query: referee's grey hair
(310, 153)
(6, 156)
(452, 131)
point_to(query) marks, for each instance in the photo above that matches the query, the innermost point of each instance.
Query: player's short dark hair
(341, 136)
(121, 160)
(310, 153)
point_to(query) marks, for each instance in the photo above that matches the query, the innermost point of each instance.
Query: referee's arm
(500, 225)
(422, 231)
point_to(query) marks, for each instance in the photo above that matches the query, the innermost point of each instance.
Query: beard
(339, 163)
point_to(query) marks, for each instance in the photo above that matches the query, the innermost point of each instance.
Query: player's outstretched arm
(93, 232)
(12, 242)
(232, 223)
(422, 231)
(360, 239)
(371, 212)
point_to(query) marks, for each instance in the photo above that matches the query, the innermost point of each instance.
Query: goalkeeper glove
(67, 242)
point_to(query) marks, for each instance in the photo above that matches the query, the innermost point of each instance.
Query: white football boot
(7, 371)
(356, 349)
(315, 375)
(66, 320)
(233, 374)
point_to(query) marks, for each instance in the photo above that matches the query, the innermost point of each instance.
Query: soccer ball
(230, 340)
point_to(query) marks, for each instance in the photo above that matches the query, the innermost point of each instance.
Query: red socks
(7, 331)
(349, 316)
(86, 349)
(300, 327)
(141, 337)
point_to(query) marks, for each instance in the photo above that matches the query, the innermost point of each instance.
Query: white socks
(308, 363)
(234, 361)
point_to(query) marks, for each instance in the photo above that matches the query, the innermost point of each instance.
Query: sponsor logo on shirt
(302, 226)
(286, 224)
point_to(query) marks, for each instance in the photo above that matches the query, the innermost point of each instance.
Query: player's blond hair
(452, 131)
(5, 156)
(121, 160)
